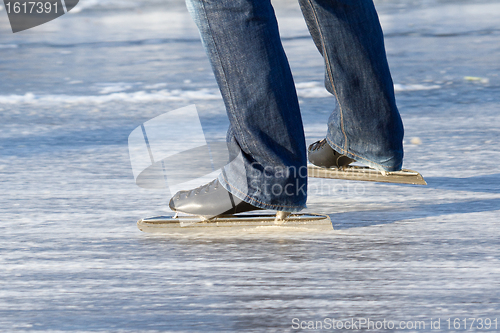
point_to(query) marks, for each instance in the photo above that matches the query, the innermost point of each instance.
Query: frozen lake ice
(73, 260)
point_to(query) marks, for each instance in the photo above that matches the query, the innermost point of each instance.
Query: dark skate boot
(321, 154)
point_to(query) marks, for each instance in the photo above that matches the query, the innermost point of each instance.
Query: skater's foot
(321, 154)
(211, 200)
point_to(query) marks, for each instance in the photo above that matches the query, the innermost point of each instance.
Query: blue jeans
(266, 138)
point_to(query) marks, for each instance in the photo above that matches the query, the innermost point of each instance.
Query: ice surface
(73, 260)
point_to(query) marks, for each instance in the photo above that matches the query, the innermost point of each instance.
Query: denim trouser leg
(366, 124)
(265, 138)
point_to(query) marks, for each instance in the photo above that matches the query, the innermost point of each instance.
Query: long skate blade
(169, 224)
(360, 173)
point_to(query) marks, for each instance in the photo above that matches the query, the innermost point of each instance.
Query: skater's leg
(266, 138)
(366, 124)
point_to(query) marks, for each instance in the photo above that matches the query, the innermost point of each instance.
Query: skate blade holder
(171, 224)
(360, 173)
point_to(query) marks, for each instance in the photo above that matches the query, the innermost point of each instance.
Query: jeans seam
(330, 76)
(231, 98)
(247, 196)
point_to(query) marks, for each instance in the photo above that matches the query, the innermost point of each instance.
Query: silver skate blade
(361, 173)
(169, 224)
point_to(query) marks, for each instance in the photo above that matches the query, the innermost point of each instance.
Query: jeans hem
(358, 158)
(255, 202)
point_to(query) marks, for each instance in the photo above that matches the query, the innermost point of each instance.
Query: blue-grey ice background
(72, 259)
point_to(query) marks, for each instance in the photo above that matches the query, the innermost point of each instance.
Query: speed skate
(174, 224)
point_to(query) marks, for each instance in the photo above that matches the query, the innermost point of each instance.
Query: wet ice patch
(116, 93)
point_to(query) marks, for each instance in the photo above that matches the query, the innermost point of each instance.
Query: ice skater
(266, 138)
